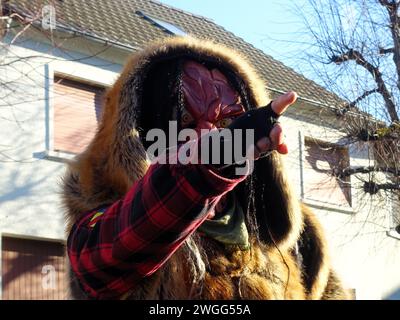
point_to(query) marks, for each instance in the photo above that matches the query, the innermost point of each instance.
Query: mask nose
(209, 98)
(203, 124)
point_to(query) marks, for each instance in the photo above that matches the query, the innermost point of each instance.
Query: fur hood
(116, 157)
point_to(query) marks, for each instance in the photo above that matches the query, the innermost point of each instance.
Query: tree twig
(357, 56)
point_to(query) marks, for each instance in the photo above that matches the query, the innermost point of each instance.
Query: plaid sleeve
(111, 250)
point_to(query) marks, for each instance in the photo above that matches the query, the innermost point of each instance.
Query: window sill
(328, 206)
(59, 156)
(393, 234)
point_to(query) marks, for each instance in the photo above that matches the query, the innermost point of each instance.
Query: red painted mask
(210, 101)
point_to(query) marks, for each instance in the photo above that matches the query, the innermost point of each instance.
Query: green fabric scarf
(228, 226)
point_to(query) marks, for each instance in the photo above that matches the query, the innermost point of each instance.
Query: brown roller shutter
(321, 161)
(33, 270)
(77, 110)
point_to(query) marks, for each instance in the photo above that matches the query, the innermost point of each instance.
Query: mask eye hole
(224, 123)
(186, 119)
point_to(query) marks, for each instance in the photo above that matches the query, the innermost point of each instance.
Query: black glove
(261, 120)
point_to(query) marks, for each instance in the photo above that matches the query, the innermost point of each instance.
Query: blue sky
(271, 25)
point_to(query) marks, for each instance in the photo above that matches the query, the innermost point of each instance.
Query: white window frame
(50, 74)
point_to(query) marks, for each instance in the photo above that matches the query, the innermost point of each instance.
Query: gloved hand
(261, 120)
(275, 139)
(267, 130)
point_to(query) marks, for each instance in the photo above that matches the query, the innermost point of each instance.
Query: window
(77, 110)
(33, 270)
(166, 26)
(321, 161)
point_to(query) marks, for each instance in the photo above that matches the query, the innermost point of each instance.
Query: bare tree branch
(353, 104)
(373, 188)
(392, 8)
(354, 52)
(357, 56)
(386, 51)
(366, 169)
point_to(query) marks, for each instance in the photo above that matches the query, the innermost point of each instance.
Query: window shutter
(33, 270)
(321, 161)
(77, 110)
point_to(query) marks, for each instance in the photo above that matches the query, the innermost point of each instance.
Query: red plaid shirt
(111, 250)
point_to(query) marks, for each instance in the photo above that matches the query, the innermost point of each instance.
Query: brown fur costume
(202, 268)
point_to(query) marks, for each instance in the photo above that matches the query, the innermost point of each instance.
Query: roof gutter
(313, 102)
(317, 104)
(98, 39)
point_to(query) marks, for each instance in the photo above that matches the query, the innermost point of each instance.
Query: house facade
(51, 86)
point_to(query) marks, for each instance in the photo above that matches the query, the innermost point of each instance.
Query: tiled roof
(123, 21)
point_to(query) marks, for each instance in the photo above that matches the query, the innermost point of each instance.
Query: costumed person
(141, 230)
